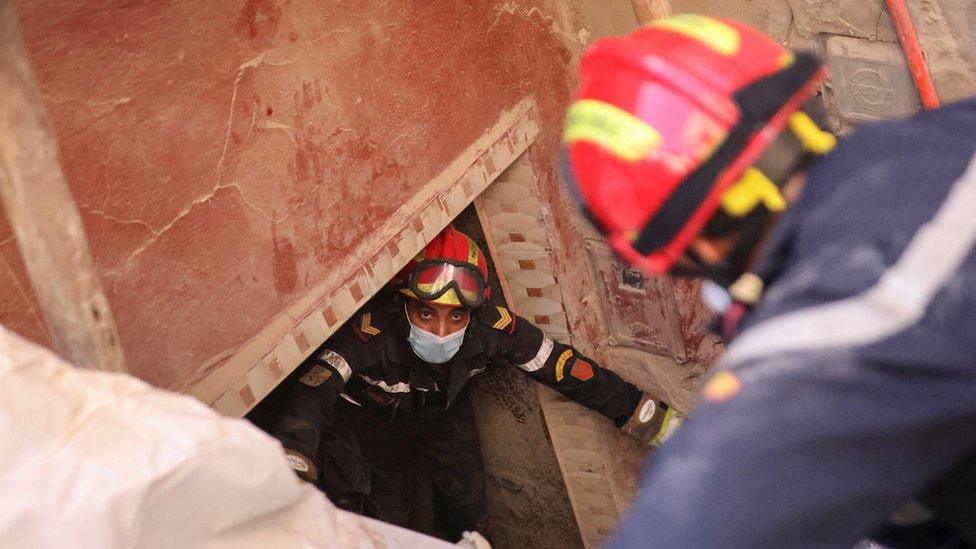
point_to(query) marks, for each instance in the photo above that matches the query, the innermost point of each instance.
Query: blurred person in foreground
(844, 281)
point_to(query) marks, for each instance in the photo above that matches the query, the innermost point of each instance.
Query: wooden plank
(648, 10)
(44, 218)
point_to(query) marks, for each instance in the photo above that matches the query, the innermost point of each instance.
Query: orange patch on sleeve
(722, 386)
(582, 370)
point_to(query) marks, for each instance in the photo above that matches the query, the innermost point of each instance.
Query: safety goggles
(432, 279)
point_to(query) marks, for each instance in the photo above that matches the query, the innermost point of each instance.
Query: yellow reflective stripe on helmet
(472, 252)
(408, 292)
(809, 133)
(450, 297)
(612, 128)
(711, 32)
(753, 188)
(786, 59)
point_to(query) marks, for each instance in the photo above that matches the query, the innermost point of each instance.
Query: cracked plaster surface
(217, 184)
(18, 306)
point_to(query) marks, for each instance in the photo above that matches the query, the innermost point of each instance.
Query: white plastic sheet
(93, 459)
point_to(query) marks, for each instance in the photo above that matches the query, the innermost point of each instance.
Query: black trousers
(371, 464)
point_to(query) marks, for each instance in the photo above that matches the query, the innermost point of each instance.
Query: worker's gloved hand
(473, 540)
(652, 422)
(302, 466)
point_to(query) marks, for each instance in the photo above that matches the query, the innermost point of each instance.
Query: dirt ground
(528, 504)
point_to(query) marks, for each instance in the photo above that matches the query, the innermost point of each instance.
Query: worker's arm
(578, 377)
(309, 402)
(805, 450)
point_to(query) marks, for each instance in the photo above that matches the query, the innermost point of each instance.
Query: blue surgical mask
(433, 349)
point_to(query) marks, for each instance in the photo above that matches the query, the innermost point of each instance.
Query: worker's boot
(653, 421)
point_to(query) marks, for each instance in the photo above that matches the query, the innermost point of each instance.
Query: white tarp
(93, 459)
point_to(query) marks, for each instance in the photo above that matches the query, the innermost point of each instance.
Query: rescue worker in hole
(403, 364)
(845, 284)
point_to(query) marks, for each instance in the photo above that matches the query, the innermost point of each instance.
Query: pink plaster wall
(18, 307)
(225, 155)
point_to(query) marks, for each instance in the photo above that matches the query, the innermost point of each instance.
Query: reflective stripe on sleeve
(540, 358)
(672, 422)
(400, 387)
(896, 302)
(336, 361)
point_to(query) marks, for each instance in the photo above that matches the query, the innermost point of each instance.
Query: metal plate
(640, 310)
(870, 79)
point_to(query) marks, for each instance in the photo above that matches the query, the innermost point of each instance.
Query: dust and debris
(528, 503)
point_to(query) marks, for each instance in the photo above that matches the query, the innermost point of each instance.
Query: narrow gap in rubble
(528, 505)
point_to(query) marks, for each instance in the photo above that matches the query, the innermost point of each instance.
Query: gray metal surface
(870, 80)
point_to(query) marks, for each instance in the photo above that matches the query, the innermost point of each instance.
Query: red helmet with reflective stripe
(450, 270)
(668, 119)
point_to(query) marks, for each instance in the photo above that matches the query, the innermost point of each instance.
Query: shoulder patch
(499, 318)
(365, 326)
(581, 370)
(561, 363)
(316, 376)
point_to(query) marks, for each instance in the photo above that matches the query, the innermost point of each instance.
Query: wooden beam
(44, 218)
(648, 10)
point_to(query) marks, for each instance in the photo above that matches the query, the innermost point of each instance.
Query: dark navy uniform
(393, 405)
(852, 385)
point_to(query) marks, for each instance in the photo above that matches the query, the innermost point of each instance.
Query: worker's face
(440, 320)
(717, 250)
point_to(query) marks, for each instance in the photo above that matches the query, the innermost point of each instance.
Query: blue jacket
(852, 384)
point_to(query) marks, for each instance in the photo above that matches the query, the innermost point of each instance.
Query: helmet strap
(761, 185)
(789, 155)
(750, 232)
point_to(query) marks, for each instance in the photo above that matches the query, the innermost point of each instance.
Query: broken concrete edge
(234, 386)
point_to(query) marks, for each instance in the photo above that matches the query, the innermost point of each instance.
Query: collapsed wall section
(230, 159)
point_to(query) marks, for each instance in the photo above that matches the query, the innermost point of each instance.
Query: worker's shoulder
(498, 318)
(922, 142)
(896, 172)
(375, 319)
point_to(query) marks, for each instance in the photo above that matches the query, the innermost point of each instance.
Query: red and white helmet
(451, 270)
(671, 117)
